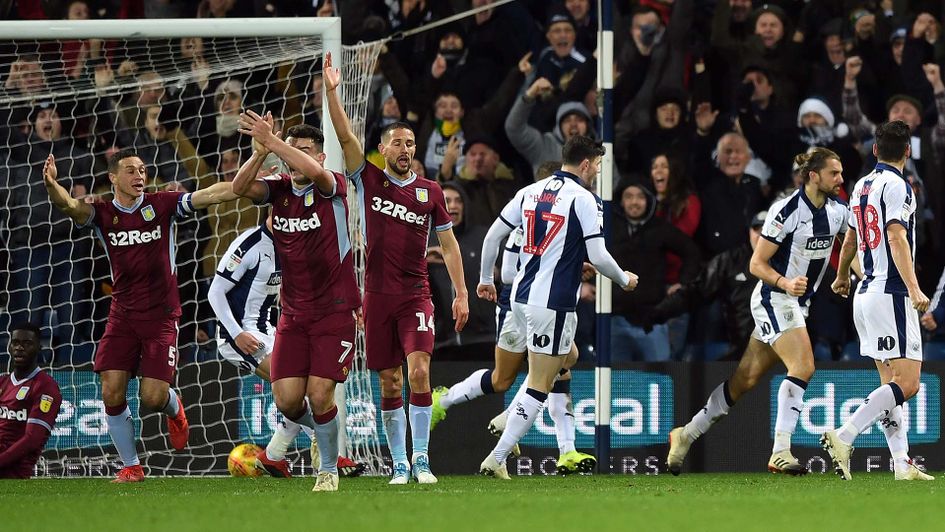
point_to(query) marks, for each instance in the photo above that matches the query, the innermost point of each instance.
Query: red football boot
(129, 474)
(275, 468)
(178, 428)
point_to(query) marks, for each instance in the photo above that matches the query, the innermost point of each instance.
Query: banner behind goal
(171, 89)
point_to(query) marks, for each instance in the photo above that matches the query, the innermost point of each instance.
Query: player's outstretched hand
(796, 286)
(460, 311)
(49, 171)
(920, 301)
(247, 343)
(331, 75)
(634, 280)
(928, 321)
(841, 286)
(487, 292)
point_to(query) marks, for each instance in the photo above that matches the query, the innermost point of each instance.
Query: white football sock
(716, 407)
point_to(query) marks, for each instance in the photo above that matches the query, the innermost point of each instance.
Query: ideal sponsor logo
(134, 236)
(833, 395)
(13, 415)
(819, 243)
(396, 210)
(641, 410)
(296, 225)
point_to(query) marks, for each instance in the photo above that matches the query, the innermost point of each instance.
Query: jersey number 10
(868, 224)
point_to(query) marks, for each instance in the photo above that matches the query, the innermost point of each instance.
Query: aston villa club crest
(21, 393)
(148, 213)
(423, 195)
(309, 198)
(115, 220)
(285, 202)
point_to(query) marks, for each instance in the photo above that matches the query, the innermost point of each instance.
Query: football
(242, 460)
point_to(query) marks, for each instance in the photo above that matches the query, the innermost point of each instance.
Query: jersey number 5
(868, 223)
(555, 221)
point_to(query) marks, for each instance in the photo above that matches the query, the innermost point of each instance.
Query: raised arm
(79, 211)
(246, 183)
(261, 130)
(350, 145)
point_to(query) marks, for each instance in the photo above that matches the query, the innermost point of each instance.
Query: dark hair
(645, 10)
(395, 125)
(814, 160)
(579, 148)
(678, 187)
(892, 140)
(305, 131)
(546, 168)
(115, 159)
(27, 326)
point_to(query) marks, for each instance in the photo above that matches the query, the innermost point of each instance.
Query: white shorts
(510, 334)
(775, 314)
(246, 362)
(538, 329)
(887, 325)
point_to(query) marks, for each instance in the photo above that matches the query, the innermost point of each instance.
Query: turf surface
(740, 502)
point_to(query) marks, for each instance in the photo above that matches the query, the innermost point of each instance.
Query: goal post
(82, 108)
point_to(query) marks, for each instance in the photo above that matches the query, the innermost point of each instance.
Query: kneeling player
(243, 296)
(797, 239)
(314, 339)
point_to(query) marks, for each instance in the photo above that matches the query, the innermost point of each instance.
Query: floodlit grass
(741, 502)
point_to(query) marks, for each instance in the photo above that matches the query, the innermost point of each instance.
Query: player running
(243, 295)
(137, 231)
(507, 364)
(398, 209)
(789, 261)
(562, 223)
(29, 403)
(887, 305)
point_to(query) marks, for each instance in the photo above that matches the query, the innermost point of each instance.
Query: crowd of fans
(712, 100)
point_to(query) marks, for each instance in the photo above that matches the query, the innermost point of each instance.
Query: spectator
(487, 183)
(585, 23)
(729, 196)
(640, 243)
(536, 147)
(154, 147)
(670, 133)
(218, 134)
(477, 339)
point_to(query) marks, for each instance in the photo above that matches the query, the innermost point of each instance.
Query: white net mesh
(175, 101)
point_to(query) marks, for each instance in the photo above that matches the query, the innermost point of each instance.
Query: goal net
(171, 89)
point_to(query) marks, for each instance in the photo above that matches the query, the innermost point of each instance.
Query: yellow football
(242, 460)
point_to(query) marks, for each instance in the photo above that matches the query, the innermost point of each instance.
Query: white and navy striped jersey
(881, 198)
(804, 235)
(557, 215)
(252, 267)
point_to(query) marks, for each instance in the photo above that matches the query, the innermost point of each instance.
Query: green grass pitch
(695, 502)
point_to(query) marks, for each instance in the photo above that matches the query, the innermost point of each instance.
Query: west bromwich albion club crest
(148, 213)
(309, 198)
(45, 403)
(21, 393)
(423, 195)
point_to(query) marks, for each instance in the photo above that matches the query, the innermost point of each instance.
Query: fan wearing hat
(924, 166)
(558, 61)
(668, 132)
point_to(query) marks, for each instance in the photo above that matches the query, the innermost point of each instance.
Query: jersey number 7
(555, 221)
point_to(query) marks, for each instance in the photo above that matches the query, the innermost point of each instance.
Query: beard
(227, 125)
